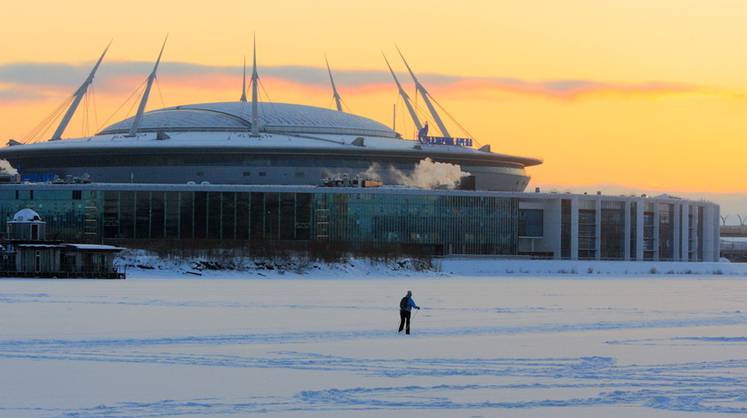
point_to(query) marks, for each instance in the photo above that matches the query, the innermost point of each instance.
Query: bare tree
(723, 219)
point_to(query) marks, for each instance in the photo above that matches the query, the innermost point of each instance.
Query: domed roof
(236, 116)
(26, 215)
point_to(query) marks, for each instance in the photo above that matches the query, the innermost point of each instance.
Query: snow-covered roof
(26, 215)
(93, 247)
(236, 116)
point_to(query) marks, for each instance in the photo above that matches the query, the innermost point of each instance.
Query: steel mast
(405, 97)
(426, 98)
(77, 97)
(243, 83)
(144, 100)
(334, 88)
(255, 79)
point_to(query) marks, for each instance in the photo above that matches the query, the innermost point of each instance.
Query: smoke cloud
(7, 168)
(426, 175)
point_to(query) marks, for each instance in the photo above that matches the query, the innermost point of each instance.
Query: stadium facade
(297, 145)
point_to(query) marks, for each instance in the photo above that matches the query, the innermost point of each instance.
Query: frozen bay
(660, 346)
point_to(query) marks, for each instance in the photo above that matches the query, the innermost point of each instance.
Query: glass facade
(613, 230)
(587, 225)
(648, 232)
(435, 224)
(666, 231)
(565, 229)
(531, 223)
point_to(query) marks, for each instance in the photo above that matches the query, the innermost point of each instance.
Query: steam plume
(7, 168)
(426, 175)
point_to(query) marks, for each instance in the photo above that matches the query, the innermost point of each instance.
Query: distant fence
(62, 275)
(735, 251)
(734, 231)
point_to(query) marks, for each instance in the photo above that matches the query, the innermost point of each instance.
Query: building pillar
(676, 233)
(656, 231)
(553, 220)
(574, 229)
(640, 209)
(598, 229)
(711, 235)
(626, 233)
(685, 233)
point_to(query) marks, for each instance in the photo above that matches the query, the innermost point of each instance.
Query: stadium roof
(236, 116)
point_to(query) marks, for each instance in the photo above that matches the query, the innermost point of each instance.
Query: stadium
(248, 142)
(256, 176)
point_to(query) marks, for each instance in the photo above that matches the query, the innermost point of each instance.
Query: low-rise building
(435, 222)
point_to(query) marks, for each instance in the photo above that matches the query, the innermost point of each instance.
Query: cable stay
(43, 127)
(130, 98)
(146, 93)
(422, 131)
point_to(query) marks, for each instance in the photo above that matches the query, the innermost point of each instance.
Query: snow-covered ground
(139, 263)
(519, 345)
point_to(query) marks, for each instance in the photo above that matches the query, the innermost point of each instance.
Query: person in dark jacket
(405, 308)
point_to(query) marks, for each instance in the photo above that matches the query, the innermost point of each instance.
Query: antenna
(405, 97)
(77, 97)
(144, 100)
(394, 117)
(334, 88)
(426, 98)
(255, 79)
(243, 83)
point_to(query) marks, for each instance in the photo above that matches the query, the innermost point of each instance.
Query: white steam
(7, 168)
(426, 175)
(373, 172)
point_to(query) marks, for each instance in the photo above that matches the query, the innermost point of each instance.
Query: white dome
(26, 215)
(236, 116)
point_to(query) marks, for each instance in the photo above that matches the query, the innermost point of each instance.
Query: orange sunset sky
(622, 95)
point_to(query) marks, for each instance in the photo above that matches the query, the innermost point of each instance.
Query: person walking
(405, 308)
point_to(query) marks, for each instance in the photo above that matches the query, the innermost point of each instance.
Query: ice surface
(585, 345)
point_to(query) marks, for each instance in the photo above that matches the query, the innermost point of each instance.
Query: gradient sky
(635, 95)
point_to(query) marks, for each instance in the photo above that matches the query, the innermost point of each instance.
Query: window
(77, 195)
(262, 173)
(531, 223)
(246, 173)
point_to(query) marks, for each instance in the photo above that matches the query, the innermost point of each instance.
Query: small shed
(38, 258)
(26, 224)
(88, 258)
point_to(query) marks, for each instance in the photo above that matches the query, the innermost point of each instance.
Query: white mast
(255, 79)
(144, 100)
(243, 83)
(405, 97)
(334, 88)
(77, 97)
(426, 98)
